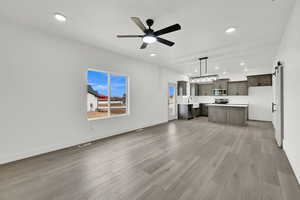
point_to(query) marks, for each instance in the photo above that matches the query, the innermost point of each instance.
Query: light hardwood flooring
(181, 160)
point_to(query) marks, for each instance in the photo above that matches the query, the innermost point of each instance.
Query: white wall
(289, 53)
(43, 92)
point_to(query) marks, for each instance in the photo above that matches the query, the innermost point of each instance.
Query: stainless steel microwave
(219, 92)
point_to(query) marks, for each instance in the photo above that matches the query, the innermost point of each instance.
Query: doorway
(172, 105)
(277, 105)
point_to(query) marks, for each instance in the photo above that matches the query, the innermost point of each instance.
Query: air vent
(84, 145)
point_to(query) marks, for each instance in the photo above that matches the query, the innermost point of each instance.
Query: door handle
(273, 107)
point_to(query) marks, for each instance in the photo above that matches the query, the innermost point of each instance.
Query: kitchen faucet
(190, 99)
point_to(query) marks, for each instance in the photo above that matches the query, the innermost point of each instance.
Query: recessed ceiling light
(217, 67)
(152, 54)
(230, 30)
(196, 70)
(60, 17)
(245, 70)
(242, 63)
(224, 73)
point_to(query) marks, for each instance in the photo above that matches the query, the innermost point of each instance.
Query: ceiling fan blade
(144, 45)
(164, 41)
(129, 36)
(139, 23)
(169, 29)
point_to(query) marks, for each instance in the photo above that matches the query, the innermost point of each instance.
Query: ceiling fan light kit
(150, 36)
(149, 39)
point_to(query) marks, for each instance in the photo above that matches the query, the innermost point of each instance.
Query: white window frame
(109, 116)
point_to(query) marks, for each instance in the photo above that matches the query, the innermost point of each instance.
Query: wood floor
(181, 160)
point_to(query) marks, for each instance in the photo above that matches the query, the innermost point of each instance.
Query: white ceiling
(260, 24)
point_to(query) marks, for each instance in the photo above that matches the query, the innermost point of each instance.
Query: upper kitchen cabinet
(205, 89)
(236, 88)
(194, 89)
(182, 88)
(260, 80)
(221, 84)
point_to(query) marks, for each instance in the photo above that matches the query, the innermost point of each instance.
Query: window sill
(110, 117)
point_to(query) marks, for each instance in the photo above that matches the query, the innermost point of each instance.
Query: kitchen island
(188, 111)
(235, 114)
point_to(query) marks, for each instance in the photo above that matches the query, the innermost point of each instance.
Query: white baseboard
(292, 162)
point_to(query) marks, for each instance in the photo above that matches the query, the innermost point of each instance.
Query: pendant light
(204, 78)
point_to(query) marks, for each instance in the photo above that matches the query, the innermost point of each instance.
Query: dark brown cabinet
(238, 88)
(205, 89)
(185, 111)
(196, 112)
(181, 88)
(203, 109)
(228, 115)
(260, 80)
(221, 84)
(230, 88)
(217, 114)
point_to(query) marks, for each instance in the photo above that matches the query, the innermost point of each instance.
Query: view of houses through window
(106, 94)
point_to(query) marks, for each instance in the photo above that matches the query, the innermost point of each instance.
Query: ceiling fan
(150, 35)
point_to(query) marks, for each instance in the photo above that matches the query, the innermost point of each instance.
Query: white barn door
(277, 105)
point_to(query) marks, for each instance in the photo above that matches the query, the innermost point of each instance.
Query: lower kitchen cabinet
(228, 114)
(196, 112)
(185, 111)
(237, 116)
(203, 109)
(217, 114)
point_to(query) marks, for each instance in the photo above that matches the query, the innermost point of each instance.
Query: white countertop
(195, 105)
(229, 105)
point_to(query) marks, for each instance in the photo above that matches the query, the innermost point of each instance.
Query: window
(107, 94)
